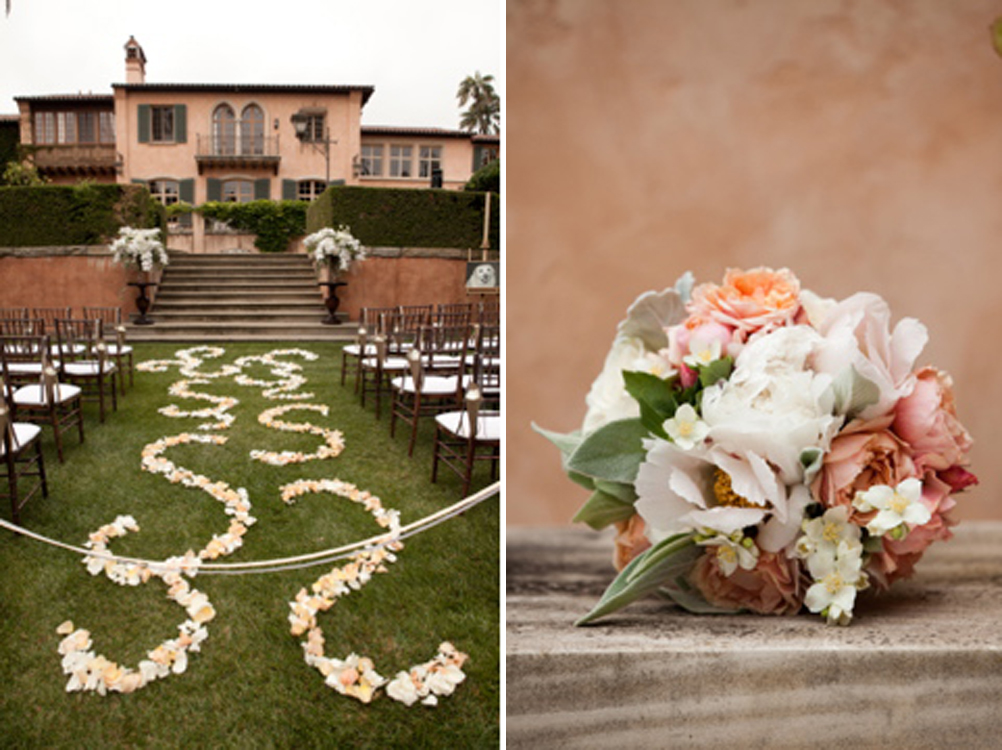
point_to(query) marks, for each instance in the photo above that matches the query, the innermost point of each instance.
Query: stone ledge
(920, 667)
(48, 251)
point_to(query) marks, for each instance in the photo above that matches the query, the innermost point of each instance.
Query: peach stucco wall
(858, 143)
(385, 282)
(57, 280)
(299, 161)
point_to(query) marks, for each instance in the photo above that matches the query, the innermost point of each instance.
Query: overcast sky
(413, 53)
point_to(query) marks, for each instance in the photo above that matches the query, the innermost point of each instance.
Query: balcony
(87, 160)
(260, 152)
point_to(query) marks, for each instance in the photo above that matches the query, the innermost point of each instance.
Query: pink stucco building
(235, 142)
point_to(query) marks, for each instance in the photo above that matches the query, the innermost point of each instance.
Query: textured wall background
(857, 143)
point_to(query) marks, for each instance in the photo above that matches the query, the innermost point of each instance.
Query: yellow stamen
(725, 494)
(833, 583)
(899, 503)
(832, 532)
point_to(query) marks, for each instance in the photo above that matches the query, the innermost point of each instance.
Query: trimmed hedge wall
(400, 217)
(86, 214)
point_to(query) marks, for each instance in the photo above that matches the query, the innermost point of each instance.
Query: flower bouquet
(336, 248)
(760, 448)
(139, 248)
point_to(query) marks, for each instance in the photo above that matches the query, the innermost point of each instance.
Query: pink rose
(862, 455)
(630, 540)
(694, 329)
(927, 420)
(749, 300)
(772, 587)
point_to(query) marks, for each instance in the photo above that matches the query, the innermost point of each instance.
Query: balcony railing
(77, 159)
(237, 151)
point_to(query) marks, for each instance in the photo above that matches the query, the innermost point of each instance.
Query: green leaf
(585, 481)
(620, 490)
(672, 557)
(602, 509)
(853, 392)
(613, 452)
(649, 316)
(566, 443)
(718, 369)
(811, 459)
(689, 599)
(656, 399)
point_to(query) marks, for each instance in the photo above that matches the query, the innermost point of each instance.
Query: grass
(249, 686)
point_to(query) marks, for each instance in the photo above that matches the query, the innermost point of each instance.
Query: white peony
(608, 400)
(774, 405)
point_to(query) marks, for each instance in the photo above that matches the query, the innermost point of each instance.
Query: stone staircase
(239, 297)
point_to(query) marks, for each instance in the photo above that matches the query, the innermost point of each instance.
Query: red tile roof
(242, 88)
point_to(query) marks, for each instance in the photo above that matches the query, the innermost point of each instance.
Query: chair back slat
(13, 313)
(51, 314)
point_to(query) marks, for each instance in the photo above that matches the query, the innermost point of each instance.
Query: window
(106, 122)
(86, 132)
(45, 127)
(372, 161)
(238, 191)
(66, 127)
(252, 130)
(167, 192)
(429, 159)
(162, 119)
(307, 190)
(400, 161)
(315, 130)
(224, 130)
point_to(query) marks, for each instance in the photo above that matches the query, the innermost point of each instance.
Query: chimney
(135, 62)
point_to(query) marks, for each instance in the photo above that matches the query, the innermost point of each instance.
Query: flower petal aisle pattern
(760, 448)
(354, 676)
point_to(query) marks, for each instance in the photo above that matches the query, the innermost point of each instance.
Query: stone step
(199, 305)
(248, 258)
(209, 285)
(238, 271)
(255, 315)
(242, 331)
(235, 297)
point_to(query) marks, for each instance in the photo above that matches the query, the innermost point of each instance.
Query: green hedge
(393, 217)
(275, 223)
(86, 214)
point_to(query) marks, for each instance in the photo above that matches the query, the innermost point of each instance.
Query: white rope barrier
(286, 563)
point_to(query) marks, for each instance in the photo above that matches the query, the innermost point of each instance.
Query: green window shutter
(335, 183)
(290, 190)
(180, 123)
(213, 189)
(144, 123)
(186, 191)
(262, 189)
(144, 183)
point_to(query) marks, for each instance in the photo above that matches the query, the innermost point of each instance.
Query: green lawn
(249, 686)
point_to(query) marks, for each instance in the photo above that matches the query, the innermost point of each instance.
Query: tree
(21, 175)
(484, 113)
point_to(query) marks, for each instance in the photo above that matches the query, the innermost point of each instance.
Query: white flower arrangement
(329, 245)
(139, 248)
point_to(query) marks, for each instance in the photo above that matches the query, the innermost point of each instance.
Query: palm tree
(484, 113)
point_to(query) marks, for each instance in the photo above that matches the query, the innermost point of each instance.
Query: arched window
(224, 130)
(252, 130)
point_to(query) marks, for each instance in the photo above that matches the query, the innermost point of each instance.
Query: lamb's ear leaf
(646, 573)
(688, 598)
(612, 453)
(650, 315)
(566, 443)
(603, 509)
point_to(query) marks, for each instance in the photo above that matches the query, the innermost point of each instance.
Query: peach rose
(630, 540)
(772, 587)
(927, 420)
(749, 300)
(862, 455)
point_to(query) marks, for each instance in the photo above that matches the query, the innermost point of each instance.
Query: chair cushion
(353, 349)
(34, 395)
(114, 351)
(88, 368)
(398, 364)
(24, 433)
(432, 385)
(458, 423)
